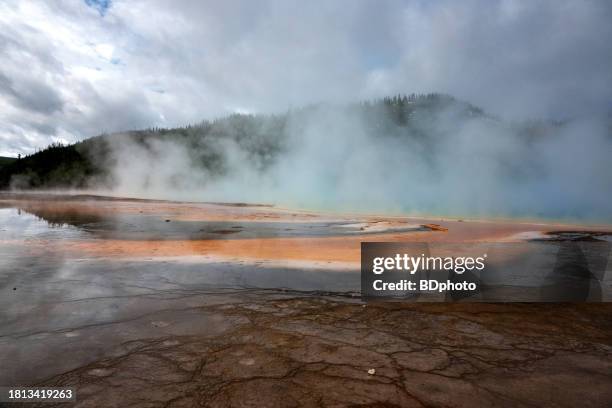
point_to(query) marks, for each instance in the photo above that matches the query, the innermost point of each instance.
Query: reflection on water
(154, 226)
(549, 271)
(18, 224)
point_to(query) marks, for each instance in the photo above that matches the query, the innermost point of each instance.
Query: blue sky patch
(101, 5)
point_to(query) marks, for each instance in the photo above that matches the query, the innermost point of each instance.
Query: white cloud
(69, 72)
(105, 51)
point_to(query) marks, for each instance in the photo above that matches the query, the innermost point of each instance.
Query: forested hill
(6, 160)
(262, 137)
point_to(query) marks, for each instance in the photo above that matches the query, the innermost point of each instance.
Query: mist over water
(448, 161)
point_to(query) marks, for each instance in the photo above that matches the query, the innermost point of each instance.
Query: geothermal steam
(449, 163)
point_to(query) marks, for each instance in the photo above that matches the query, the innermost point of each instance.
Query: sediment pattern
(305, 351)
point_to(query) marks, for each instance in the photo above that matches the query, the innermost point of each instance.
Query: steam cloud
(449, 163)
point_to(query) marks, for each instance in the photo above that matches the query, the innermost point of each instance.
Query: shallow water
(156, 226)
(41, 245)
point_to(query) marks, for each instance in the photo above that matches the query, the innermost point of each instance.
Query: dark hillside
(6, 160)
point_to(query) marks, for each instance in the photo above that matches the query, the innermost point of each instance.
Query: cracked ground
(304, 351)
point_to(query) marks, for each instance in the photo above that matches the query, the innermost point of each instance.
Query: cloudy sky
(75, 68)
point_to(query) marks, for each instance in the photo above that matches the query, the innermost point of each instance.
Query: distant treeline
(6, 160)
(87, 163)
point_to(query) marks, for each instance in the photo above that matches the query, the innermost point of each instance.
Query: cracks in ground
(316, 351)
